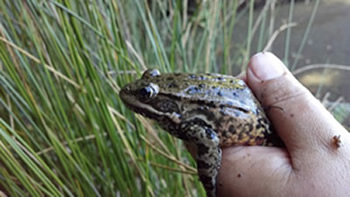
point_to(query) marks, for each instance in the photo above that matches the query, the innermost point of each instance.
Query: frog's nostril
(126, 88)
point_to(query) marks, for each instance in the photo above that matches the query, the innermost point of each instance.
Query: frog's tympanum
(209, 111)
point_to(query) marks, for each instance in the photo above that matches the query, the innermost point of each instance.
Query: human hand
(313, 163)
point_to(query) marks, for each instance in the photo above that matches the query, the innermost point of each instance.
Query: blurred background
(63, 128)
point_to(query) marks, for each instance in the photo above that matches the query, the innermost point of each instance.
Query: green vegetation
(63, 128)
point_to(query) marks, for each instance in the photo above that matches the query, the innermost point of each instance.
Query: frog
(208, 111)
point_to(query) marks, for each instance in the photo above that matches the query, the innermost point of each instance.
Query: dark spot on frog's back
(170, 78)
(172, 85)
(202, 85)
(202, 77)
(222, 106)
(257, 127)
(232, 129)
(248, 127)
(193, 90)
(211, 104)
(192, 76)
(220, 79)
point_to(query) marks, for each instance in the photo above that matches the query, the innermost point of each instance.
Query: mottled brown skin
(207, 110)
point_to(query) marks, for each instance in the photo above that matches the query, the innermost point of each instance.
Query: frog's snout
(126, 90)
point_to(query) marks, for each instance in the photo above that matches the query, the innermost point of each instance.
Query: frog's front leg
(208, 154)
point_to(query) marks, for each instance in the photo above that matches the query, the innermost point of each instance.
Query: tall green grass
(63, 128)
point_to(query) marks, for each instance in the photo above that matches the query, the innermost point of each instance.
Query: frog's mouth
(148, 110)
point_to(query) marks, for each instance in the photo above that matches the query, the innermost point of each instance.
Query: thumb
(298, 117)
(311, 159)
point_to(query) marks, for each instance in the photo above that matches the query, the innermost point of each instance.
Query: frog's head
(146, 96)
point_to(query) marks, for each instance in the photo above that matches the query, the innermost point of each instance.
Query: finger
(299, 118)
(249, 171)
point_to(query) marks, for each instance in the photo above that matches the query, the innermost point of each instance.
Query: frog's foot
(208, 155)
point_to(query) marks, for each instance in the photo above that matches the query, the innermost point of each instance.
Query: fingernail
(266, 66)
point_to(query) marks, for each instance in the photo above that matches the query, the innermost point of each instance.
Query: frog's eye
(150, 73)
(149, 91)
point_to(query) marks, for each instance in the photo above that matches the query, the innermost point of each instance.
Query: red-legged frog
(209, 111)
